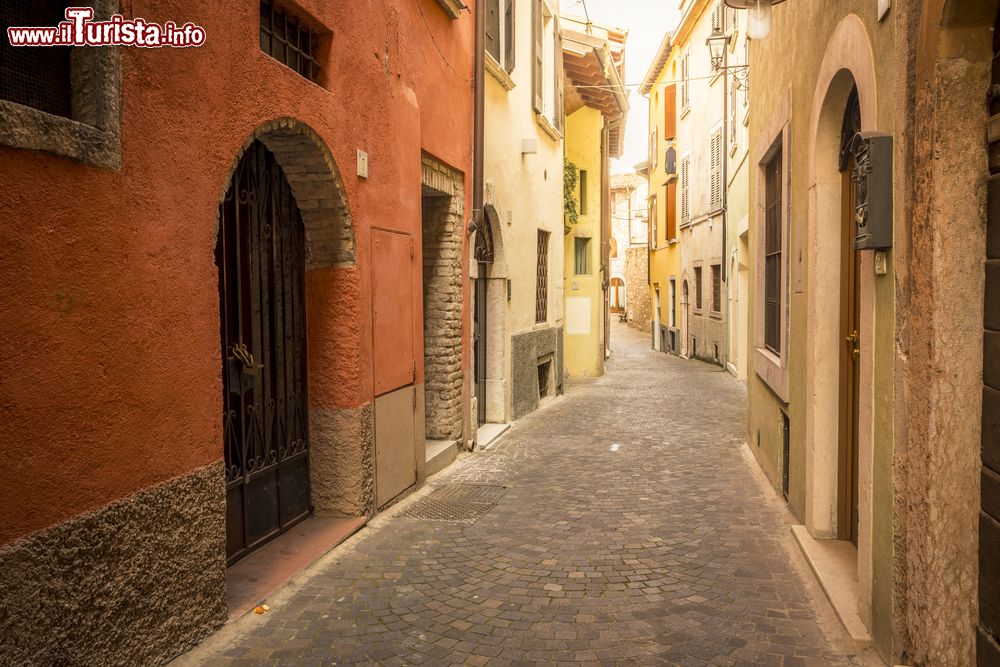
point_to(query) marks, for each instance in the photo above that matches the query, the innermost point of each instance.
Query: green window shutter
(493, 28)
(509, 30)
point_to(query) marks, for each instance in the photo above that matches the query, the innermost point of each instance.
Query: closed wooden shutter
(493, 28)
(716, 176)
(557, 75)
(538, 57)
(670, 113)
(508, 36)
(685, 195)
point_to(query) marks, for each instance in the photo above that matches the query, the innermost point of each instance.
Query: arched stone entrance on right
(952, 426)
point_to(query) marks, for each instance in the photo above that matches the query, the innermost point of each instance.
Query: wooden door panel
(395, 444)
(392, 300)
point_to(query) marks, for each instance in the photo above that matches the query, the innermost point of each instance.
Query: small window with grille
(62, 100)
(542, 278)
(33, 76)
(289, 40)
(697, 288)
(716, 288)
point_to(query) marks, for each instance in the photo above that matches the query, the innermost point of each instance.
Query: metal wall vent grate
(456, 502)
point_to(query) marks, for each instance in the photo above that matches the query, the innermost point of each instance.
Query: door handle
(240, 352)
(853, 339)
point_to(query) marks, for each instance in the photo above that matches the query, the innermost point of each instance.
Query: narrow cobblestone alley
(626, 534)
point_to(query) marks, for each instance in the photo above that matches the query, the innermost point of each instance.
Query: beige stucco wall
(701, 236)
(527, 192)
(804, 59)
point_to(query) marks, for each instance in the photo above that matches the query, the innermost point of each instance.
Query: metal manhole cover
(456, 502)
(469, 493)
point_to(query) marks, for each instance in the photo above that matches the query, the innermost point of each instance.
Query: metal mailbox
(872, 179)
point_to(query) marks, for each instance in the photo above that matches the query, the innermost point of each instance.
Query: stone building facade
(877, 427)
(179, 230)
(629, 258)
(519, 293)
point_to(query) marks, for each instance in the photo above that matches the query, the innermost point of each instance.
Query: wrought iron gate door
(261, 260)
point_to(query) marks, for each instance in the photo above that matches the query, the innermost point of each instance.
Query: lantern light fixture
(717, 42)
(759, 15)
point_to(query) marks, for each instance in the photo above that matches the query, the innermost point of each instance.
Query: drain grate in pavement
(456, 502)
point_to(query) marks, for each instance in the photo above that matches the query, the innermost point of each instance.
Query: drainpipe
(478, 90)
(725, 205)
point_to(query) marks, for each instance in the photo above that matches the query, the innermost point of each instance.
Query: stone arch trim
(317, 185)
(946, 217)
(848, 62)
(442, 227)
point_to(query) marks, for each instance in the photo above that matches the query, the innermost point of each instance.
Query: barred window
(288, 40)
(542, 278)
(716, 288)
(34, 76)
(697, 288)
(772, 253)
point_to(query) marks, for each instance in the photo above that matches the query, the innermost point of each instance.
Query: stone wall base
(133, 583)
(525, 350)
(342, 461)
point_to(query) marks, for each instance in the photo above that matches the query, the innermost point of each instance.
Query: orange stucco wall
(109, 335)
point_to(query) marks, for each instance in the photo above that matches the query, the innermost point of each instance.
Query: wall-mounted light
(717, 46)
(759, 14)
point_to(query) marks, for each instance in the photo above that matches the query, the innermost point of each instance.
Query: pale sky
(646, 22)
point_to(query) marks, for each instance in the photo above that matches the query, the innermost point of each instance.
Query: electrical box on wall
(872, 178)
(362, 164)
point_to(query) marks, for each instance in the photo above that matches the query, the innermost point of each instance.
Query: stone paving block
(660, 551)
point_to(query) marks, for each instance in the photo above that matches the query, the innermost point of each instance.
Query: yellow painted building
(661, 172)
(595, 105)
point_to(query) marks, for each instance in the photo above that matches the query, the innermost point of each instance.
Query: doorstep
(835, 564)
(269, 568)
(487, 433)
(439, 455)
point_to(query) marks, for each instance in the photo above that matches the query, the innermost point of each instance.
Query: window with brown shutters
(542, 278)
(772, 253)
(716, 171)
(537, 57)
(670, 113)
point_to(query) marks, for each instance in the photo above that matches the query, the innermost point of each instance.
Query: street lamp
(717, 43)
(759, 24)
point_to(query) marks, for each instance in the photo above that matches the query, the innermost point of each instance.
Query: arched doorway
(261, 258)
(617, 296)
(284, 240)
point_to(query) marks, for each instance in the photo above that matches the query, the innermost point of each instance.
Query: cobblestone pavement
(631, 531)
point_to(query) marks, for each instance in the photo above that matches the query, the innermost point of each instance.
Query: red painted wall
(109, 338)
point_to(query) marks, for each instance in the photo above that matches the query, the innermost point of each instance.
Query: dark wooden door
(261, 259)
(479, 343)
(850, 353)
